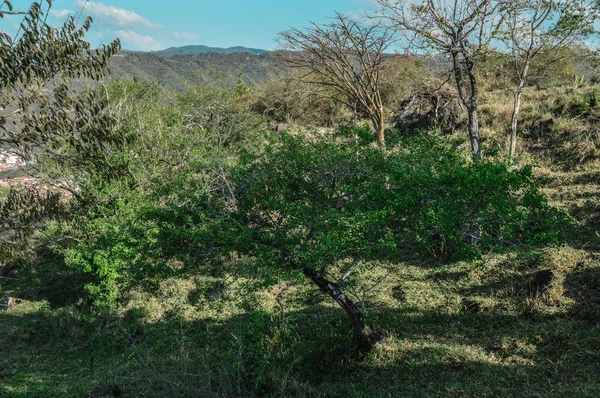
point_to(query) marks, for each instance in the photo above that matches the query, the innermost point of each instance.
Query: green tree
(40, 115)
(321, 208)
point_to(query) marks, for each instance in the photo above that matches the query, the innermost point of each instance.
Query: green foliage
(141, 225)
(43, 57)
(585, 105)
(241, 88)
(42, 119)
(495, 71)
(556, 69)
(315, 202)
(306, 201)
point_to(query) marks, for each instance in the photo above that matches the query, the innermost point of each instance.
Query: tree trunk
(473, 128)
(514, 123)
(469, 99)
(366, 336)
(379, 126)
(516, 108)
(381, 134)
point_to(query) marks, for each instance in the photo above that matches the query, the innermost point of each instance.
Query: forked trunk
(366, 336)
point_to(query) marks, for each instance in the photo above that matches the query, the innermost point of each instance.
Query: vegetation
(192, 250)
(344, 58)
(538, 28)
(38, 117)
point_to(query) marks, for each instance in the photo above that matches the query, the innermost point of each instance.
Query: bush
(291, 101)
(136, 227)
(423, 197)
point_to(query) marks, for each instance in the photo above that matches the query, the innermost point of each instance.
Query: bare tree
(460, 30)
(343, 57)
(542, 28)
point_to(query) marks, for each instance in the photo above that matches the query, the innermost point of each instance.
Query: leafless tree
(542, 28)
(461, 30)
(343, 57)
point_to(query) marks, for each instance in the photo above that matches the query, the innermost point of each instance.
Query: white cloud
(130, 38)
(185, 36)
(115, 16)
(61, 14)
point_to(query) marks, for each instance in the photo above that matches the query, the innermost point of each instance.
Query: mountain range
(199, 49)
(182, 67)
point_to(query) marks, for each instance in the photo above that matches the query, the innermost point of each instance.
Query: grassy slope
(290, 341)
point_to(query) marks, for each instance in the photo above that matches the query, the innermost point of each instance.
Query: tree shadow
(47, 279)
(307, 352)
(584, 288)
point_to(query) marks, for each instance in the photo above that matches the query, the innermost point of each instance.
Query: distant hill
(182, 70)
(199, 49)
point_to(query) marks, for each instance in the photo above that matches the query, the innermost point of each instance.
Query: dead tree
(459, 30)
(542, 28)
(343, 58)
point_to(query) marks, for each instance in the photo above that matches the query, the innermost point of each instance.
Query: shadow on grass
(48, 279)
(584, 287)
(310, 352)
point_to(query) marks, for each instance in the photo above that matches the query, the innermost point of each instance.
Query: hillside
(453, 328)
(180, 70)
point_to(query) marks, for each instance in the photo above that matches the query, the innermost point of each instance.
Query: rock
(542, 282)
(107, 391)
(399, 294)
(11, 302)
(11, 270)
(471, 306)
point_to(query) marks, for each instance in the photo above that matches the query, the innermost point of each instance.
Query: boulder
(541, 282)
(11, 270)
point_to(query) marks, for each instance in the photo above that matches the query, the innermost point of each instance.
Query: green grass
(289, 341)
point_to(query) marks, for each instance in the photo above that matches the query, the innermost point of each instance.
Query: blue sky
(153, 25)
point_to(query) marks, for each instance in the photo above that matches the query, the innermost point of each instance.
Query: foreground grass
(191, 339)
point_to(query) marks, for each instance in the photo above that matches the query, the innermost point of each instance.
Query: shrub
(288, 100)
(308, 205)
(422, 196)
(311, 203)
(134, 228)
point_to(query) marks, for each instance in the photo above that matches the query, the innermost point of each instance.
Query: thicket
(201, 183)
